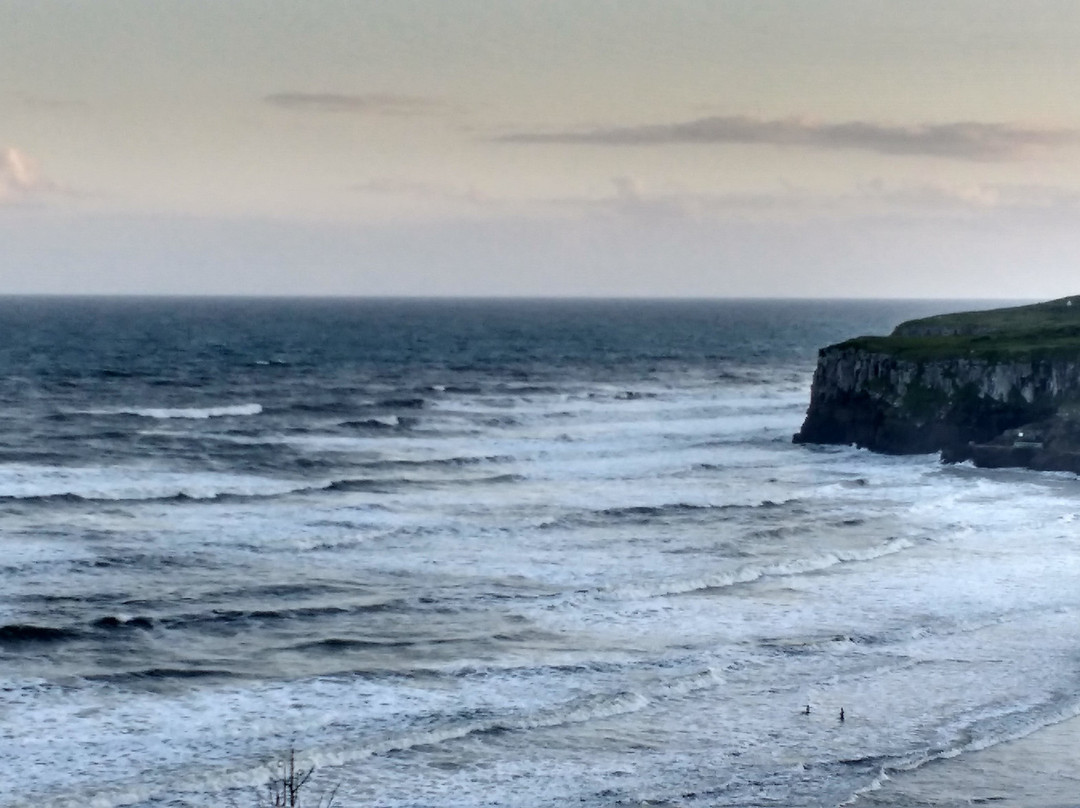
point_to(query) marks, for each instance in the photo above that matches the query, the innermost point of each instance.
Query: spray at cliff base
(528, 554)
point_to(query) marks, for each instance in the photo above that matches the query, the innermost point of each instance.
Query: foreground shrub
(283, 790)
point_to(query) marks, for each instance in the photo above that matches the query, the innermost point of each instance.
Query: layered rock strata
(1000, 388)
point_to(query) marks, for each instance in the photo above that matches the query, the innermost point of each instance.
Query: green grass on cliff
(1051, 315)
(1048, 330)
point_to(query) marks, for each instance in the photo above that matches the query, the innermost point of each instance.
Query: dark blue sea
(507, 553)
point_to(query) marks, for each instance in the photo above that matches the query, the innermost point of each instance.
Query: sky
(614, 148)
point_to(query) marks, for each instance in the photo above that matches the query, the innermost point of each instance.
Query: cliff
(1000, 388)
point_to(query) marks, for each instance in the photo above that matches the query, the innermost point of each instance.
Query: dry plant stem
(284, 791)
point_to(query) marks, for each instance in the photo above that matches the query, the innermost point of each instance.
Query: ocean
(507, 553)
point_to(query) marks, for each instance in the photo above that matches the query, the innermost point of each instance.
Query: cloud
(964, 140)
(650, 201)
(404, 198)
(363, 104)
(394, 186)
(20, 178)
(629, 198)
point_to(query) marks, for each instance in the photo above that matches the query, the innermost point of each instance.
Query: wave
(239, 616)
(650, 513)
(90, 486)
(180, 497)
(754, 572)
(438, 461)
(350, 405)
(197, 413)
(526, 389)
(459, 389)
(579, 710)
(317, 407)
(684, 507)
(174, 496)
(382, 485)
(691, 683)
(498, 478)
(377, 423)
(24, 633)
(371, 485)
(575, 711)
(19, 633)
(336, 644)
(634, 511)
(972, 742)
(115, 621)
(402, 403)
(44, 484)
(289, 590)
(145, 674)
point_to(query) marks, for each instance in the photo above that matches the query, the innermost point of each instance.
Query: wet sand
(1041, 770)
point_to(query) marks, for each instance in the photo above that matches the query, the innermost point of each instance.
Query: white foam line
(753, 573)
(920, 759)
(198, 413)
(576, 711)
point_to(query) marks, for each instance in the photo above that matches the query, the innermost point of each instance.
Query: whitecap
(196, 413)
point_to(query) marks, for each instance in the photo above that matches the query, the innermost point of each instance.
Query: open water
(529, 553)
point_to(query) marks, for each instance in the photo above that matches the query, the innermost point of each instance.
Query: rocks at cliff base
(1049, 445)
(1000, 388)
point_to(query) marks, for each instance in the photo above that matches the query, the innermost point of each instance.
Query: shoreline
(1037, 770)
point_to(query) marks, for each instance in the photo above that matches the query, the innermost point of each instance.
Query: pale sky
(732, 148)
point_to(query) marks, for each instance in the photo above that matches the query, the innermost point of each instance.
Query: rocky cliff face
(998, 387)
(952, 404)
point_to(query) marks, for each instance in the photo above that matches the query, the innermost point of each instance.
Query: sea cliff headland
(1000, 388)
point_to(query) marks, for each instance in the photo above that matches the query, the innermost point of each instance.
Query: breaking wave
(198, 413)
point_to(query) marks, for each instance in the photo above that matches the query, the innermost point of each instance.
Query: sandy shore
(1041, 770)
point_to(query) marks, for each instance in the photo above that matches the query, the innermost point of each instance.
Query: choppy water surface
(491, 553)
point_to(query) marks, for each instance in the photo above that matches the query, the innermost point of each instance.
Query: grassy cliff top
(1047, 330)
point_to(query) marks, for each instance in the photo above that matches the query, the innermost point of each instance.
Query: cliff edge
(998, 387)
